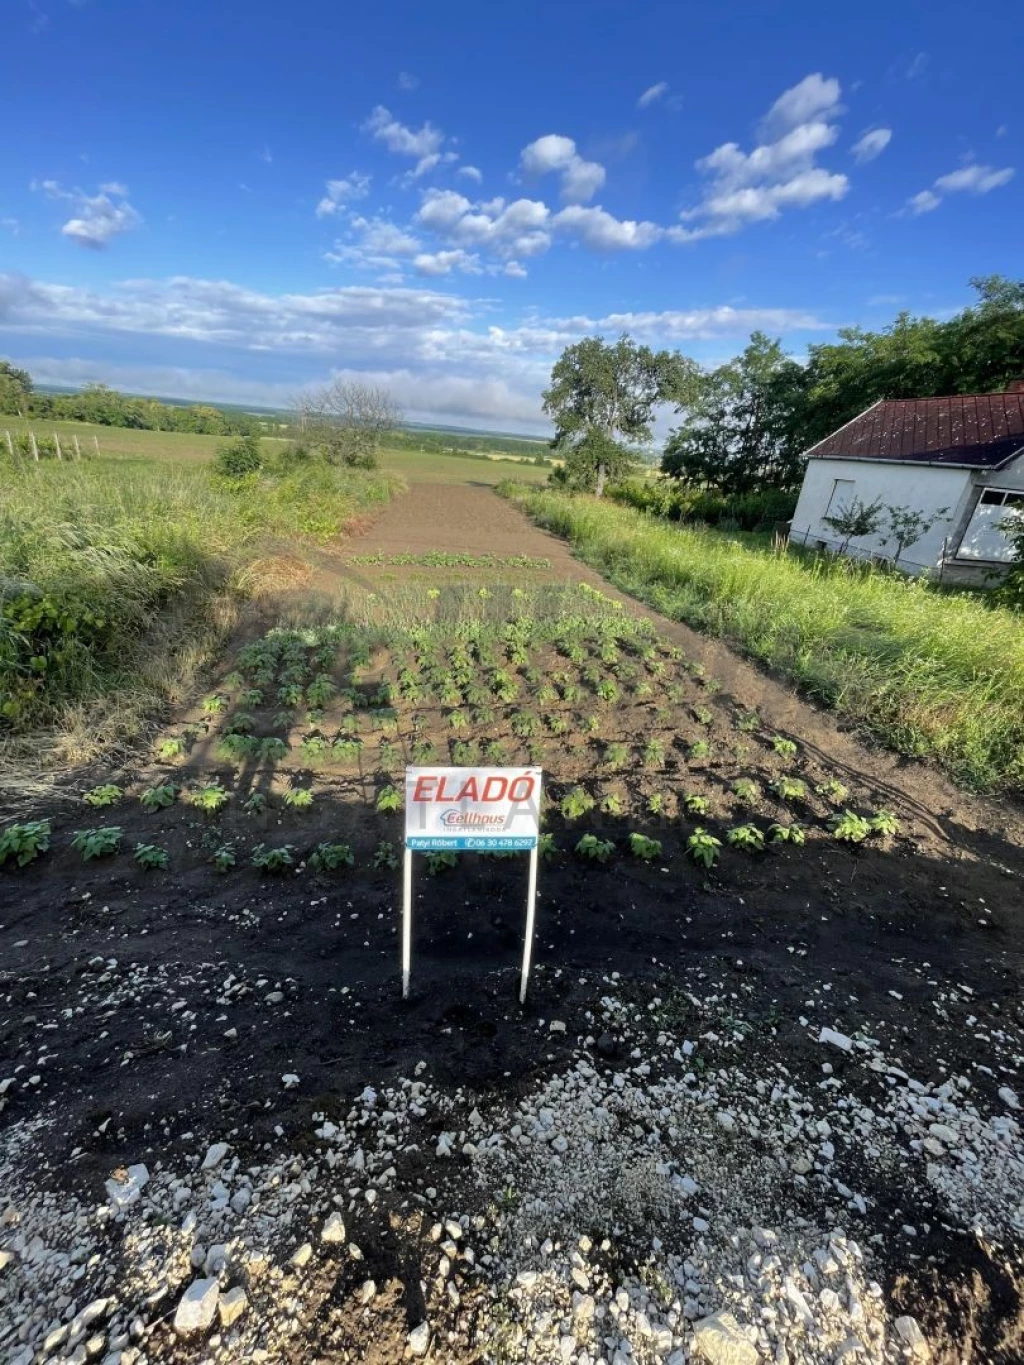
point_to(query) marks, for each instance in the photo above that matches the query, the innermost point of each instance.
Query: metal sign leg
(531, 913)
(406, 923)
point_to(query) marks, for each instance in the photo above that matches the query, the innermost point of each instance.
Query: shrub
(703, 847)
(210, 798)
(790, 789)
(598, 850)
(97, 843)
(329, 857)
(694, 804)
(150, 857)
(884, 822)
(107, 795)
(238, 458)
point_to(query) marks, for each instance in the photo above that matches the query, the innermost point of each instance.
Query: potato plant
(106, 795)
(273, 860)
(748, 837)
(156, 798)
(150, 857)
(97, 843)
(595, 849)
(703, 847)
(644, 848)
(329, 857)
(24, 843)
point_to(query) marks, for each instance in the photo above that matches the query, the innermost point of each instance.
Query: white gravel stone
(419, 1339)
(232, 1305)
(719, 1340)
(333, 1229)
(197, 1307)
(215, 1155)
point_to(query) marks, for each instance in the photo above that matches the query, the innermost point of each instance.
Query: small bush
(597, 850)
(238, 458)
(850, 828)
(97, 843)
(329, 857)
(746, 836)
(107, 795)
(703, 848)
(24, 843)
(273, 859)
(645, 849)
(159, 797)
(150, 857)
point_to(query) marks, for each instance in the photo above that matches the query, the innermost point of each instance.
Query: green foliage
(855, 519)
(849, 828)
(884, 822)
(386, 855)
(745, 790)
(746, 836)
(754, 510)
(297, 798)
(441, 860)
(833, 790)
(214, 704)
(158, 797)
(785, 748)
(547, 848)
(465, 753)
(787, 834)
(210, 798)
(695, 804)
(700, 748)
(616, 756)
(237, 748)
(389, 799)
(329, 857)
(100, 797)
(612, 804)
(790, 789)
(239, 458)
(346, 748)
(597, 850)
(224, 857)
(556, 723)
(703, 847)
(458, 720)
(173, 747)
(255, 803)
(525, 724)
(97, 843)
(654, 754)
(495, 752)
(576, 803)
(150, 856)
(607, 690)
(748, 721)
(702, 715)
(644, 848)
(273, 859)
(273, 749)
(423, 751)
(315, 749)
(656, 804)
(24, 843)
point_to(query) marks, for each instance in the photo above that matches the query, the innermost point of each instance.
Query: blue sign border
(481, 843)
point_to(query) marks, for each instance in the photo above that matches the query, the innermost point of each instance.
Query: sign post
(487, 810)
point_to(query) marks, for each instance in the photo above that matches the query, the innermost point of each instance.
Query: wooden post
(78, 448)
(35, 447)
(95, 441)
(56, 446)
(10, 446)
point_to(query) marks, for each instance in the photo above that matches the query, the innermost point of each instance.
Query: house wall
(973, 534)
(925, 488)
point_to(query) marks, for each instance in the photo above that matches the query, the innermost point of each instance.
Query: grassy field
(930, 674)
(118, 578)
(184, 448)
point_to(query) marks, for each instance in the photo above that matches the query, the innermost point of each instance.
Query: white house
(964, 454)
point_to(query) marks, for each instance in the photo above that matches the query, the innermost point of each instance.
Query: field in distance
(402, 458)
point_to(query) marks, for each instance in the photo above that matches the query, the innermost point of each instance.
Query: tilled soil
(144, 1016)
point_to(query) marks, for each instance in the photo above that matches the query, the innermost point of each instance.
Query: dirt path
(472, 519)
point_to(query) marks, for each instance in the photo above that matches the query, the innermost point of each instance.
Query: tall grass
(929, 673)
(101, 559)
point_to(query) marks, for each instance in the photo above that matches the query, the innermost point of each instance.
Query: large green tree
(602, 398)
(741, 423)
(15, 389)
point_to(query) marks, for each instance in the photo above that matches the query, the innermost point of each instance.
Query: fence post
(34, 445)
(10, 446)
(78, 448)
(96, 443)
(56, 446)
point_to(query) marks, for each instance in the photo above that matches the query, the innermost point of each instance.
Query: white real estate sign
(488, 810)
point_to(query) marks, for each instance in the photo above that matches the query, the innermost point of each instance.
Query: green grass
(185, 448)
(108, 560)
(929, 673)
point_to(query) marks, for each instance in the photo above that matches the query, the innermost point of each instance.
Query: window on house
(841, 496)
(985, 538)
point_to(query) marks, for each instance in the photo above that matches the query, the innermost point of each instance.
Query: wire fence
(32, 447)
(815, 539)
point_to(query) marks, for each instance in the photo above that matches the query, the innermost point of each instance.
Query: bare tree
(346, 421)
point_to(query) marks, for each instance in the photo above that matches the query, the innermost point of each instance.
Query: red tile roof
(981, 430)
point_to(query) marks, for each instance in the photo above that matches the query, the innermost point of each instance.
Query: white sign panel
(486, 809)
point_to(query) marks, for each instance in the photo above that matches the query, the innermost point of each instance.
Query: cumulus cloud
(95, 218)
(444, 262)
(519, 228)
(600, 231)
(970, 179)
(872, 144)
(653, 94)
(424, 145)
(471, 173)
(374, 244)
(779, 173)
(580, 179)
(338, 194)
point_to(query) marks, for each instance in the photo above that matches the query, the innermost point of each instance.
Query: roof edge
(810, 449)
(933, 464)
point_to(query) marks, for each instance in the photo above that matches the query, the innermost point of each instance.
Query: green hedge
(732, 511)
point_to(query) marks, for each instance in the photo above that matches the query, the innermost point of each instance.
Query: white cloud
(374, 244)
(816, 97)
(514, 270)
(471, 173)
(96, 218)
(438, 352)
(425, 145)
(407, 81)
(780, 173)
(972, 179)
(519, 228)
(652, 94)
(923, 202)
(553, 153)
(872, 144)
(917, 66)
(10, 225)
(976, 179)
(444, 262)
(602, 232)
(339, 193)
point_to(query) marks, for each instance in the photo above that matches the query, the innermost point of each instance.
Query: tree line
(106, 407)
(746, 425)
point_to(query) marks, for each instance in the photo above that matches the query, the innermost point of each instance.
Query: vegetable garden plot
(295, 761)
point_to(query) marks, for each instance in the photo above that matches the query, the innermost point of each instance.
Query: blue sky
(229, 200)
